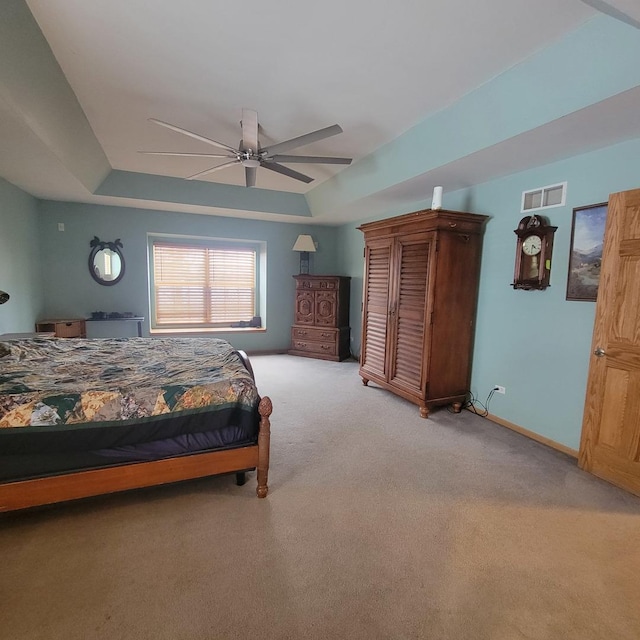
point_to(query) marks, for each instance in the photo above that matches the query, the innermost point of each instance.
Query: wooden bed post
(264, 438)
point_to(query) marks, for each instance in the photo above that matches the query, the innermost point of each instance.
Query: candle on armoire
(436, 203)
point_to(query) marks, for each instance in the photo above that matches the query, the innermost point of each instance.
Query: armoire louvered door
(419, 299)
(376, 307)
(409, 313)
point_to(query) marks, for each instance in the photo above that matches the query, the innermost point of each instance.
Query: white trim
(542, 190)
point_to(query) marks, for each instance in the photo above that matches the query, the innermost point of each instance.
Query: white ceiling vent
(545, 197)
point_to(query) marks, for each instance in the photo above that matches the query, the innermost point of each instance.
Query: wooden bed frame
(23, 494)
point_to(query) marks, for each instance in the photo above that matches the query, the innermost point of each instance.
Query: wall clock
(533, 253)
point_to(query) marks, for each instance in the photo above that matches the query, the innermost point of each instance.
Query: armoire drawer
(326, 348)
(320, 335)
(318, 283)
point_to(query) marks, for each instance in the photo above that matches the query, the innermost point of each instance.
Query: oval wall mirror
(106, 262)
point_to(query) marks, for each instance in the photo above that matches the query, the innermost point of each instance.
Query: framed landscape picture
(585, 256)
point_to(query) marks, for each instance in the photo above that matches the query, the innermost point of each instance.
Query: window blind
(203, 285)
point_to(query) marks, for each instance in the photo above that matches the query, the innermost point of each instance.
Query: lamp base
(304, 263)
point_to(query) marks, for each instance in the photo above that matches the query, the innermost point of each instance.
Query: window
(544, 197)
(202, 284)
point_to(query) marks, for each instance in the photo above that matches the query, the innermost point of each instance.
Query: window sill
(198, 332)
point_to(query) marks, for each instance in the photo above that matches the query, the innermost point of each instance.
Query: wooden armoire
(419, 301)
(321, 318)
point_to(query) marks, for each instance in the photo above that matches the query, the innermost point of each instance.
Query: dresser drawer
(70, 329)
(326, 348)
(318, 284)
(319, 335)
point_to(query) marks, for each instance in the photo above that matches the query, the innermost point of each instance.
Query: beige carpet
(378, 525)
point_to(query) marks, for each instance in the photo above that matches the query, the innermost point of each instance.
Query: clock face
(532, 245)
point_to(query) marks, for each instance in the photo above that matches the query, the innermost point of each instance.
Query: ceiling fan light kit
(251, 156)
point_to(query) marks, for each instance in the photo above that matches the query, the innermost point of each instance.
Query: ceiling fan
(251, 155)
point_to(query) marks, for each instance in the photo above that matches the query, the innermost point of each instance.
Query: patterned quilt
(53, 382)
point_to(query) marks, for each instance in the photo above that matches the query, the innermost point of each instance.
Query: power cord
(472, 401)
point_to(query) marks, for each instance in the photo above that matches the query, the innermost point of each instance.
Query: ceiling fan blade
(307, 138)
(188, 155)
(186, 132)
(250, 176)
(281, 158)
(208, 171)
(285, 171)
(249, 130)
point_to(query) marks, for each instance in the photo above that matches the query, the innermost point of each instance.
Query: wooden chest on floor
(321, 317)
(73, 328)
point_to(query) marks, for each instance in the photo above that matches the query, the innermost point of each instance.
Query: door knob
(599, 352)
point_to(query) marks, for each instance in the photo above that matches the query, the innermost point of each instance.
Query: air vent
(545, 197)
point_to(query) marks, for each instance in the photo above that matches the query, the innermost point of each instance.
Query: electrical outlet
(499, 389)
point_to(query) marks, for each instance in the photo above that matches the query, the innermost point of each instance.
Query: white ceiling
(376, 68)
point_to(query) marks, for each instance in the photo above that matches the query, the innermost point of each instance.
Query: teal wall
(591, 64)
(534, 343)
(19, 259)
(71, 292)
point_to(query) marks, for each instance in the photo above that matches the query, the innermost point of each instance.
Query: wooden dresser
(321, 319)
(420, 290)
(71, 328)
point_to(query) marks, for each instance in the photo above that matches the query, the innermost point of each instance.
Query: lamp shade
(304, 243)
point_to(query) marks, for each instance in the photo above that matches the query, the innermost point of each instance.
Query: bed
(80, 417)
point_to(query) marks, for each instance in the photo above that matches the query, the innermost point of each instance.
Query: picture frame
(585, 251)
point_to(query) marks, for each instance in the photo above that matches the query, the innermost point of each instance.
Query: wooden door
(326, 307)
(304, 307)
(375, 314)
(408, 326)
(610, 444)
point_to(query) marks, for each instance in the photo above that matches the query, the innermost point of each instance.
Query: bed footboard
(83, 484)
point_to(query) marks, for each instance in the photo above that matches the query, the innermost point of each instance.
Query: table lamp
(305, 245)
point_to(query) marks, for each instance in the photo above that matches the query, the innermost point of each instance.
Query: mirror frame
(98, 245)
